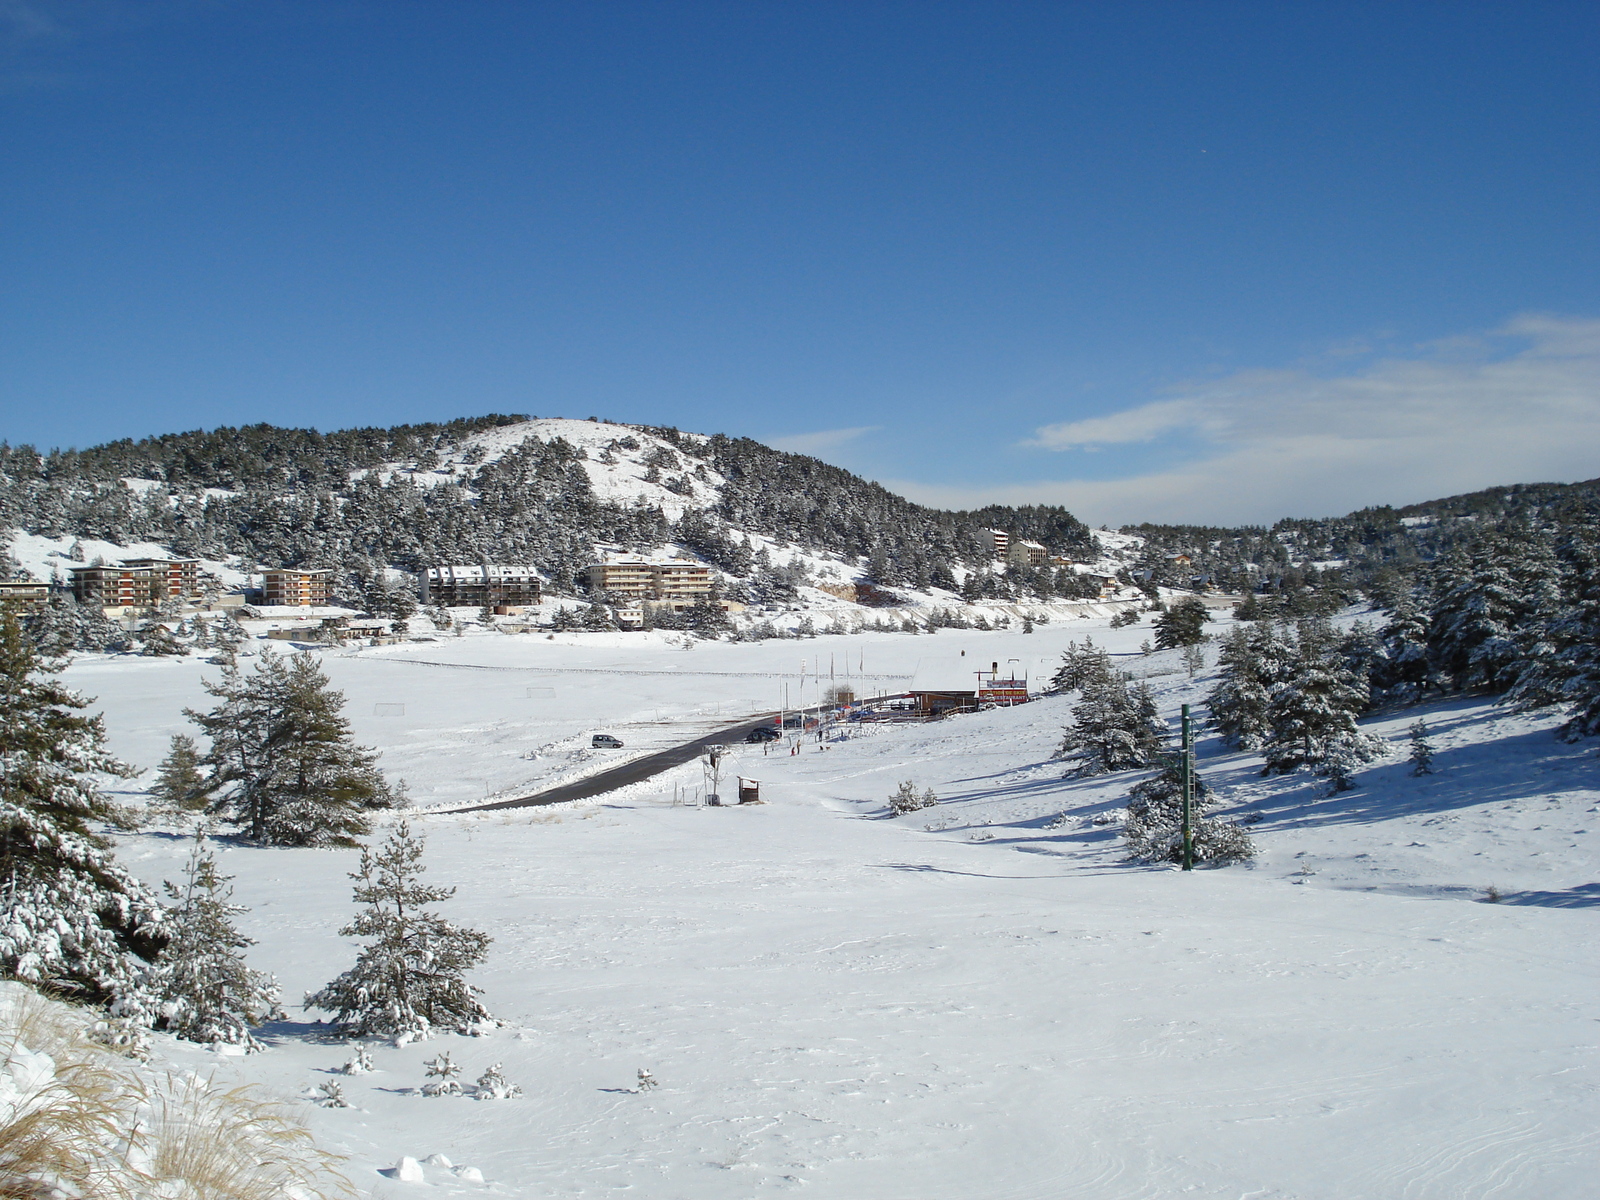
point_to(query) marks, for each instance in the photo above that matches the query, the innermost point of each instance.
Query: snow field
(977, 999)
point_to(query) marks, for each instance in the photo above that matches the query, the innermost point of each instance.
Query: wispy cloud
(1519, 404)
(824, 439)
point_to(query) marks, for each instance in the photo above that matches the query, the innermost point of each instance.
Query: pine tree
(1312, 715)
(1421, 755)
(409, 980)
(70, 917)
(1563, 666)
(1079, 664)
(1182, 624)
(282, 759)
(1153, 828)
(204, 990)
(1403, 670)
(1114, 727)
(180, 786)
(1252, 662)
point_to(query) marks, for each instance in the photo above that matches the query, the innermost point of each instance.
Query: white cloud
(1519, 405)
(1140, 424)
(816, 443)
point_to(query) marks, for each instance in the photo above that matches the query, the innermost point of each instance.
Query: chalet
(297, 588)
(502, 588)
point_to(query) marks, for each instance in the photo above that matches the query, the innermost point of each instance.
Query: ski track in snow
(974, 1000)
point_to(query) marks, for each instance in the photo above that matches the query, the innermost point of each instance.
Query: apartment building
(631, 577)
(492, 585)
(180, 576)
(297, 588)
(998, 541)
(25, 595)
(677, 584)
(118, 587)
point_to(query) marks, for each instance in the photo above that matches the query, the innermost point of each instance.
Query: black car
(763, 733)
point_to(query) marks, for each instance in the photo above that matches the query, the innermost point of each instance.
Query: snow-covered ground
(977, 1000)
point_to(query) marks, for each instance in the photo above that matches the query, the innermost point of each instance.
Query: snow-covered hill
(980, 999)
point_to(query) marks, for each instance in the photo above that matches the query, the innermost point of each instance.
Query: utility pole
(1187, 773)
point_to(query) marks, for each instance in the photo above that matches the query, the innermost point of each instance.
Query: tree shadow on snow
(1584, 895)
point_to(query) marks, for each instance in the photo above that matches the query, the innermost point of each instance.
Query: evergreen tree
(203, 989)
(1079, 664)
(180, 785)
(1403, 669)
(409, 980)
(1114, 727)
(1153, 828)
(1421, 755)
(1311, 718)
(70, 917)
(282, 760)
(1182, 624)
(1253, 661)
(1564, 666)
(1487, 596)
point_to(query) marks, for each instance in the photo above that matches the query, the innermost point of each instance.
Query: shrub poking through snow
(331, 1095)
(646, 1082)
(905, 799)
(1153, 826)
(493, 1085)
(203, 989)
(442, 1071)
(358, 1063)
(410, 979)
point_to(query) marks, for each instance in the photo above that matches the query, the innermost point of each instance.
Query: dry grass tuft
(78, 1121)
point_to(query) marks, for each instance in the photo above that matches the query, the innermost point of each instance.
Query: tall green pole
(1188, 795)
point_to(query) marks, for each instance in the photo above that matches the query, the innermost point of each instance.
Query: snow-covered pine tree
(180, 785)
(1565, 667)
(409, 980)
(71, 918)
(1421, 755)
(282, 759)
(1182, 624)
(158, 641)
(1403, 670)
(1312, 715)
(1153, 827)
(1253, 660)
(1078, 665)
(1114, 727)
(204, 991)
(1485, 597)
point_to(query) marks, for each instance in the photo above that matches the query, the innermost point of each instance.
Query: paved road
(628, 772)
(636, 770)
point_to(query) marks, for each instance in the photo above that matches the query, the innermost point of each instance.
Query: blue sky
(1203, 261)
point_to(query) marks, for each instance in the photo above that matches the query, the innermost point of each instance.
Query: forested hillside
(502, 488)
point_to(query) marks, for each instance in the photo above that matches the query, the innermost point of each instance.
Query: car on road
(604, 741)
(764, 733)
